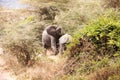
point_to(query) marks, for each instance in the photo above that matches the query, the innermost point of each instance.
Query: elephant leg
(54, 45)
(61, 48)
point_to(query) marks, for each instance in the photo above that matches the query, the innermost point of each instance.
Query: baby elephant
(65, 39)
(50, 38)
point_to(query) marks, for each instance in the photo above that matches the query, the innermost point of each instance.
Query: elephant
(50, 37)
(63, 40)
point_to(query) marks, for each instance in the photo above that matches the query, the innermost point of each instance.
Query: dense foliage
(102, 34)
(95, 46)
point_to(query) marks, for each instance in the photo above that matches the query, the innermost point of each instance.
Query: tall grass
(20, 35)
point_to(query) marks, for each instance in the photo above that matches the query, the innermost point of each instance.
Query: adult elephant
(50, 37)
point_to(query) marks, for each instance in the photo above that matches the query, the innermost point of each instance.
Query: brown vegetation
(20, 36)
(105, 73)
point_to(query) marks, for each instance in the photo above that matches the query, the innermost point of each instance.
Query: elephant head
(54, 31)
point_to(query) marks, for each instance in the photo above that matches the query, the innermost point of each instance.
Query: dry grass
(78, 12)
(45, 68)
(105, 73)
(25, 25)
(111, 3)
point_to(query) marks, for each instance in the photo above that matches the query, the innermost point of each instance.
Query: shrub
(48, 13)
(26, 51)
(101, 35)
(23, 40)
(99, 39)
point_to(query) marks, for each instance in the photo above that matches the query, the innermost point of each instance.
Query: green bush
(94, 45)
(102, 35)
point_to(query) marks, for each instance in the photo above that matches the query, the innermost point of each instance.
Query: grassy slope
(23, 28)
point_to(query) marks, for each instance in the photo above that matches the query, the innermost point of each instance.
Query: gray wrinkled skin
(50, 38)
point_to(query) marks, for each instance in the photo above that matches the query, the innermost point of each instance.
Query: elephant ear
(51, 30)
(59, 29)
